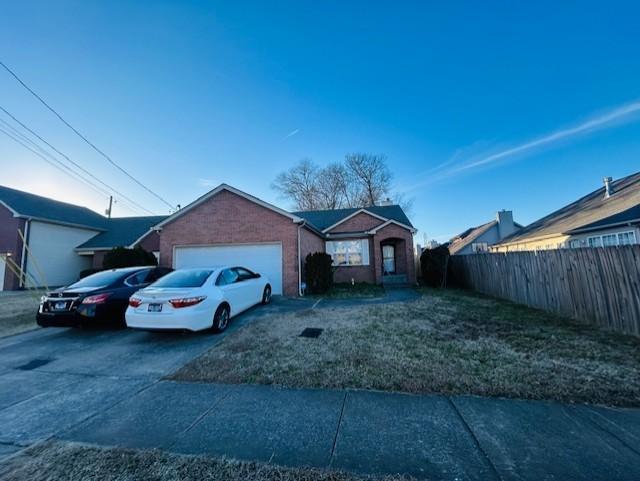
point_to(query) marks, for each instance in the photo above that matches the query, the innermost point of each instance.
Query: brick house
(228, 226)
(224, 226)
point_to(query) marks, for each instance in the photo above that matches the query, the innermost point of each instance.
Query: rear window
(190, 278)
(100, 279)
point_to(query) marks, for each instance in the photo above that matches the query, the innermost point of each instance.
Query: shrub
(433, 264)
(318, 272)
(123, 257)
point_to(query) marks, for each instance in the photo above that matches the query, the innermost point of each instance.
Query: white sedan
(197, 299)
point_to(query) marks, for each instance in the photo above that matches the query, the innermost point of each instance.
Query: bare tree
(371, 175)
(361, 180)
(300, 185)
(332, 183)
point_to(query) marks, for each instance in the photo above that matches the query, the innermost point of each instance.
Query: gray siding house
(478, 239)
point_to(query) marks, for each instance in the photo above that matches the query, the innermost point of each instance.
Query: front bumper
(83, 315)
(59, 319)
(197, 320)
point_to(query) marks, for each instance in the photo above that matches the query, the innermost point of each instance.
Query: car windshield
(190, 278)
(100, 279)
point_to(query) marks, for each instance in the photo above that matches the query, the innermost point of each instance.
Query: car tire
(266, 295)
(221, 318)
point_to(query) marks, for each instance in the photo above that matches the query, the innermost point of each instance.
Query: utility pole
(108, 211)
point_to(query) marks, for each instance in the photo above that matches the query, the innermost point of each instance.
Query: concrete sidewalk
(432, 437)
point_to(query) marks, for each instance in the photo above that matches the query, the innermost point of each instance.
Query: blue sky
(186, 95)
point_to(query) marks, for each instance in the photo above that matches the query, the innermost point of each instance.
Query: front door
(388, 259)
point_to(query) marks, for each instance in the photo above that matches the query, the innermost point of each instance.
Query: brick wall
(358, 223)
(10, 242)
(358, 273)
(228, 218)
(405, 263)
(151, 243)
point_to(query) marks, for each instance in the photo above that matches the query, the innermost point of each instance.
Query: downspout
(23, 258)
(299, 259)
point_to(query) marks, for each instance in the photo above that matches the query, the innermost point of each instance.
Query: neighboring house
(479, 239)
(61, 239)
(228, 226)
(608, 216)
(123, 232)
(224, 226)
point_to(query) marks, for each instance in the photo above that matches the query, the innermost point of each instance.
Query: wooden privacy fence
(599, 285)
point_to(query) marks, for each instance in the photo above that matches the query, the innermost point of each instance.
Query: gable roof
(31, 206)
(468, 236)
(228, 188)
(323, 219)
(123, 232)
(592, 210)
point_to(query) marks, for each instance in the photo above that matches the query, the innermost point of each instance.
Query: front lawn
(18, 311)
(448, 341)
(57, 460)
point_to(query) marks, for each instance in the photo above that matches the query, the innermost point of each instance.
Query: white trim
(391, 221)
(15, 214)
(60, 222)
(329, 247)
(233, 190)
(139, 239)
(359, 211)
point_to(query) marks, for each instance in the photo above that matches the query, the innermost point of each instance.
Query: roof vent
(608, 188)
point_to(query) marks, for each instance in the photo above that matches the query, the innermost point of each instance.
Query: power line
(27, 128)
(61, 166)
(93, 146)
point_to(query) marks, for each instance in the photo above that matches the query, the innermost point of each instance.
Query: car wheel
(221, 318)
(266, 295)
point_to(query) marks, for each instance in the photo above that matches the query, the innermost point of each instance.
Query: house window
(626, 238)
(575, 243)
(609, 240)
(480, 247)
(595, 241)
(349, 252)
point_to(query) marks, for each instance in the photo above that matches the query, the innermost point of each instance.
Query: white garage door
(263, 258)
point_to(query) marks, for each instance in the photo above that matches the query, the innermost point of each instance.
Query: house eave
(362, 210)
(233, 190)
(57, 222)
(613, 225)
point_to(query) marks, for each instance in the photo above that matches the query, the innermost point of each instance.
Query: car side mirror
(256, 275)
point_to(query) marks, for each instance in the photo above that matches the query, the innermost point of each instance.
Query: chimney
(387, 201)
(608, 188)
(505, 223)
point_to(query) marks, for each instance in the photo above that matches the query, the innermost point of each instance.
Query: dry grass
(450, 342)
(57, 461)
(18, 311)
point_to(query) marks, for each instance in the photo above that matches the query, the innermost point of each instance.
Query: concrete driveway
(52, 379)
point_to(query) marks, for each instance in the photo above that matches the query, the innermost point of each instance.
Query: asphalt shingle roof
(460, 242)
(123, 231)
(591, 210)
(321, 219)
(34, 206)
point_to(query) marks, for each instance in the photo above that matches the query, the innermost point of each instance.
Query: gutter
(300, 226)
(581, 230)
